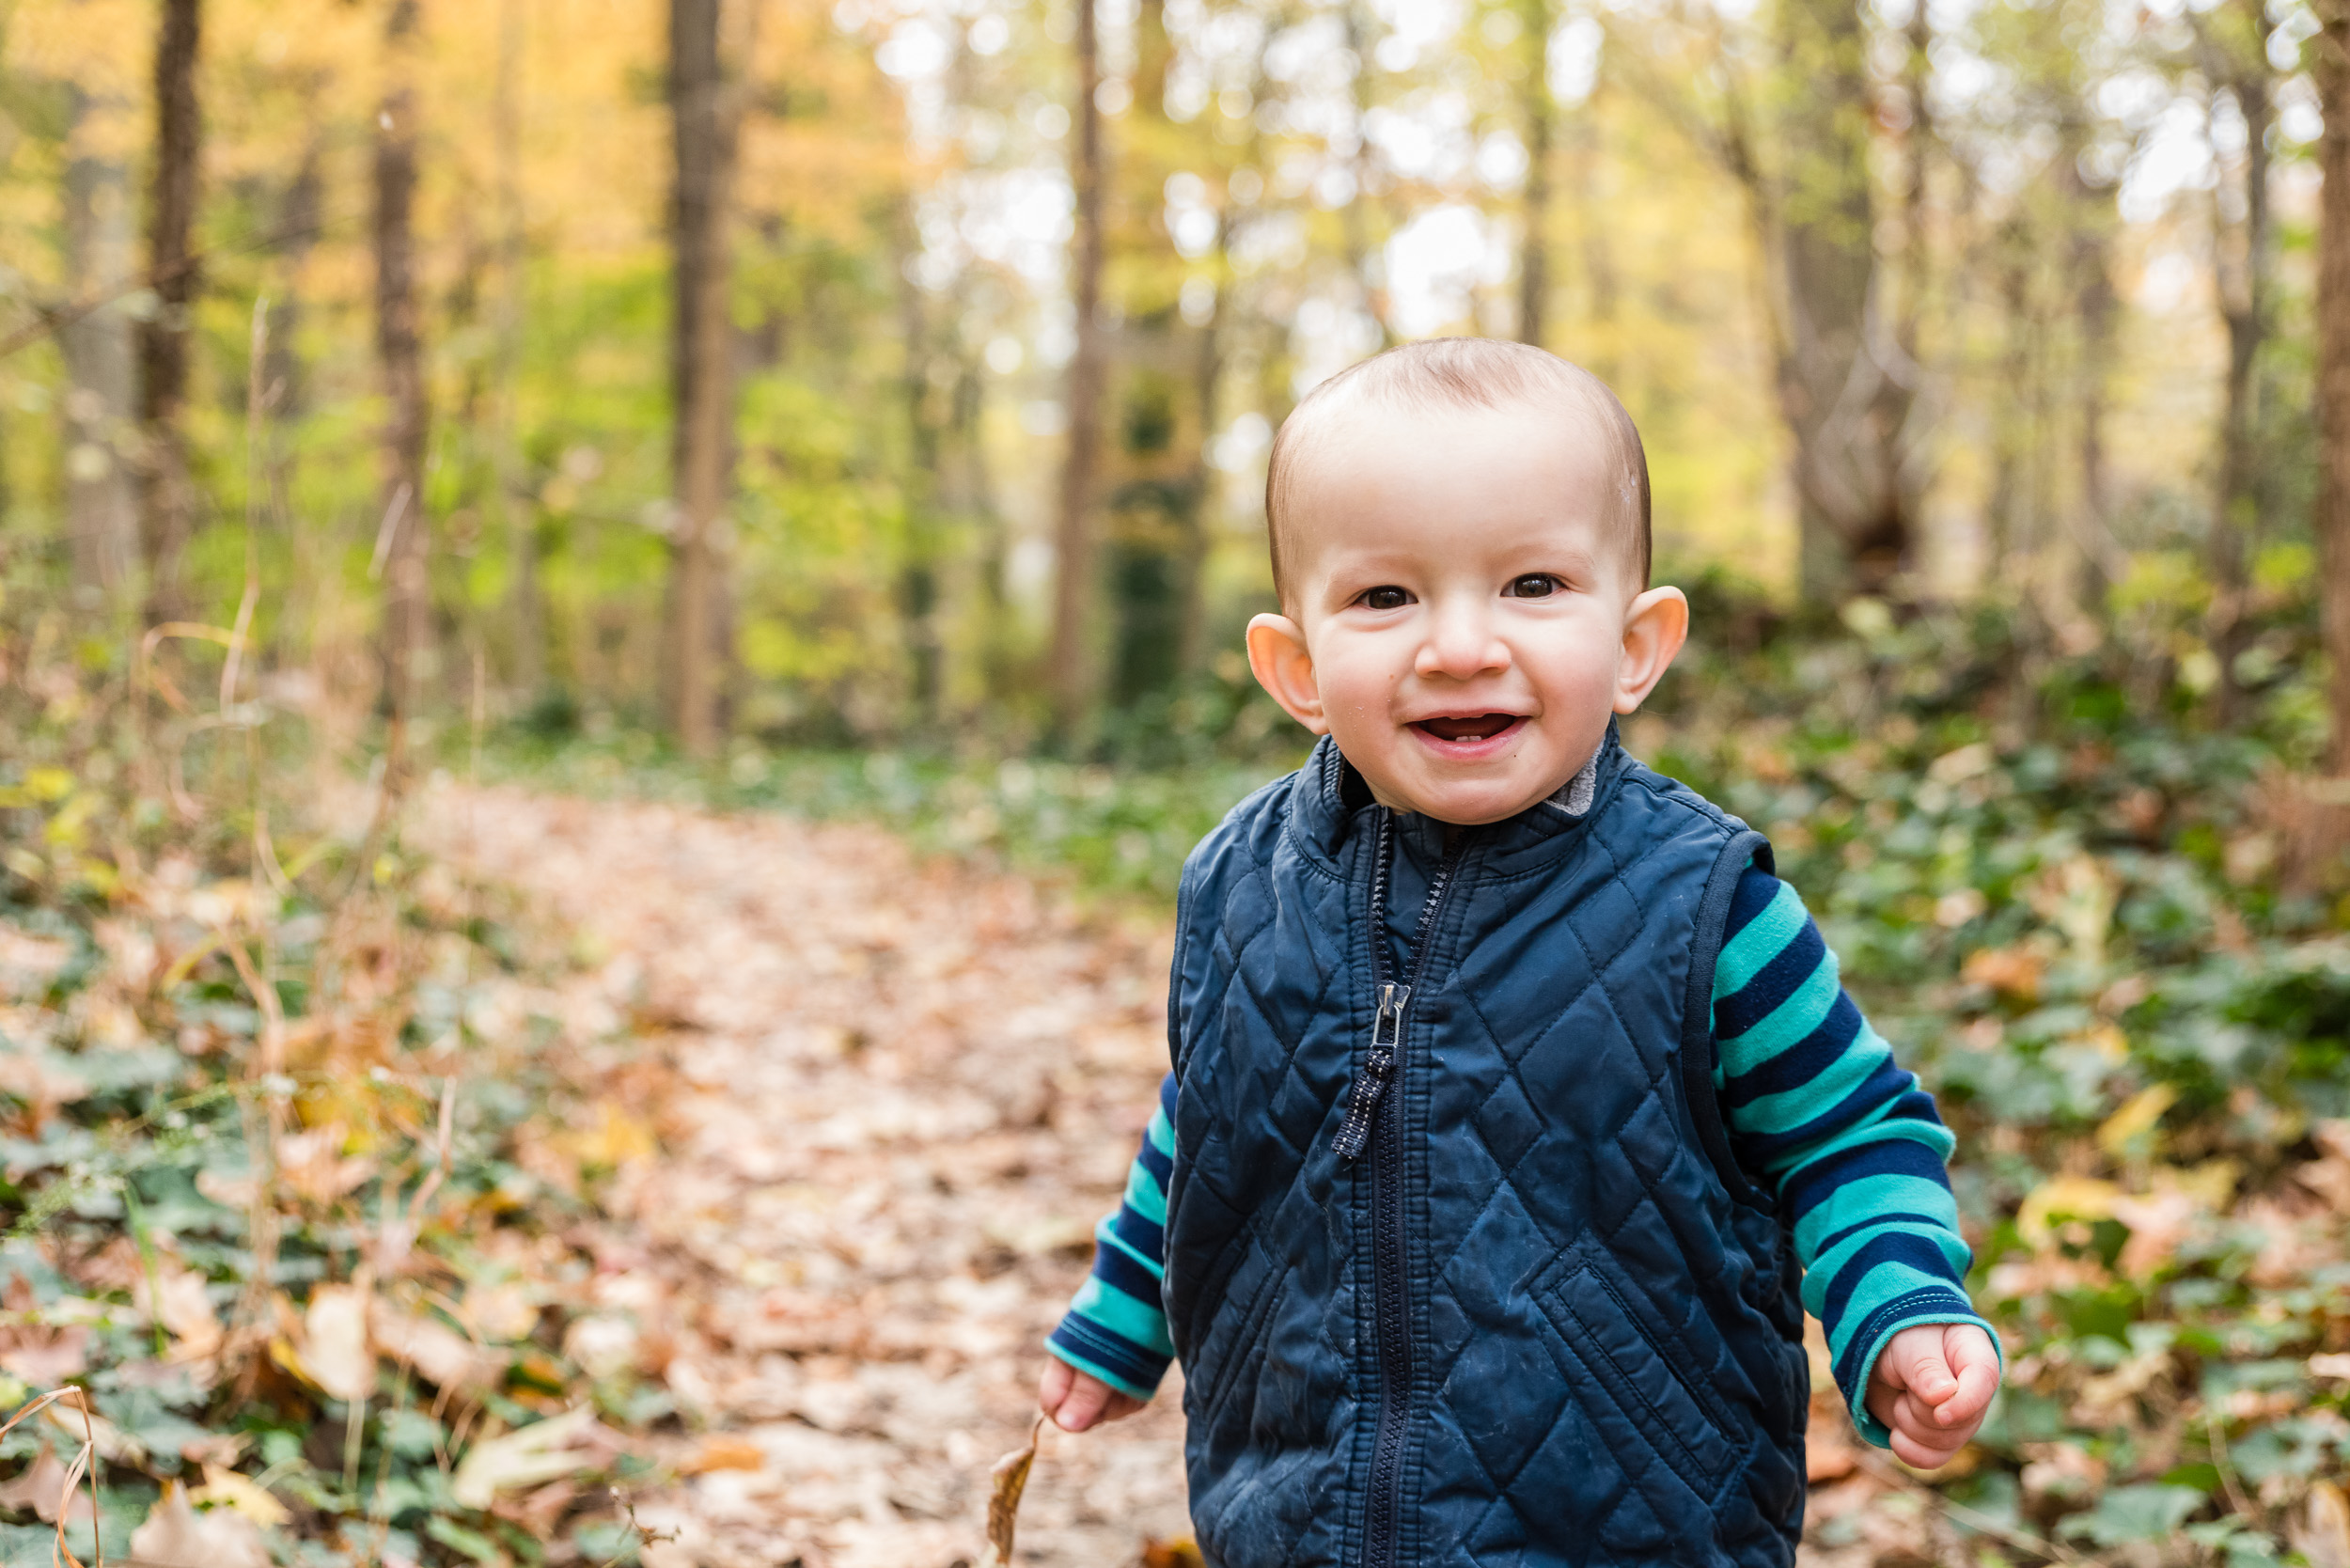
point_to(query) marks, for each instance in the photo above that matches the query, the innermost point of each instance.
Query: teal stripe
(1143, 1195)
(1749, 954)
(1106, 1234)
(1793, 1107)
(1804, 1010)
(1885, 1280)
(1091, 1368)
(1107, 1306)
(1161, 1133)
(1855, 1201)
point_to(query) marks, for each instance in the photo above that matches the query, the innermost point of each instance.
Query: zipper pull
(1386, 1036)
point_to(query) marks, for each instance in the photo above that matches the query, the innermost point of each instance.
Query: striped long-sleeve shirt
(1817, 1110)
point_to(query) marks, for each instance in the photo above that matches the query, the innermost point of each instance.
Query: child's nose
(1459, 644)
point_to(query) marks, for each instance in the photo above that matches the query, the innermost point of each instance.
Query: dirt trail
(865, 1112)
(887, 1102)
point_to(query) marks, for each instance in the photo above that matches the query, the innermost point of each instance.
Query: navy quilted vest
(1539, 1318)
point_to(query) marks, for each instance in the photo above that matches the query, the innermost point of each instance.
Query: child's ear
(1283, 666)
(1653, 630)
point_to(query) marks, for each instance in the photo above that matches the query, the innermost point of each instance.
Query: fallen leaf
(41, 1488)
(44, 1356)
(724, 1453)
(1827, 1457)
(1182, 1552)
(2134, 1120)
(2323, 1534)
(184, 1308)
(501, 1312)
(2012, 972)
(334, 1353)
(176, 1536)
(41, 1079)
(2072, 1197)
(440, 1355)
(541, 1451)
(114, 1445)
(229, 1192)
(313, 1164)
(226, 1488)
(1009, 1479)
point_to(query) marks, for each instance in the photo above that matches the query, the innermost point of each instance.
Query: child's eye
(1534, 585)
(1388, 596)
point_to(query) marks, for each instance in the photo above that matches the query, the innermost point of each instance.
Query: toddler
(1517, 1114)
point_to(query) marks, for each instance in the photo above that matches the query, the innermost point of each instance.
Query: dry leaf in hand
(2323, 1534)
(1182, 1552)
(176, 1536)
(1010, 1479)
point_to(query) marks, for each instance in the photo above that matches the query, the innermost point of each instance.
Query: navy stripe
(1890, 1216)
(1887, 1082)
(1167, 1097)
(1757, 887)
(1138, 1366)
(1141, 1232)
(1161, 1168)
(1113, 1267)
(1894, 1247)
(1892, 1155)
(1801, 1062)
(1771, 984)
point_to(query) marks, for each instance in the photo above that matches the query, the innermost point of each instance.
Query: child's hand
(1076, 1400)
(1931, 1386)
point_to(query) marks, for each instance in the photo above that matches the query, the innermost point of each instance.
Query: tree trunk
(167, 502)
(1366, 266)
(1837, 391)
(101, 501)
(2246, 270)
(400, 357)
(526, 612)
(1074, 588)
(2098, 309)
(1534, 252)
(2331, 49)
(703, 355)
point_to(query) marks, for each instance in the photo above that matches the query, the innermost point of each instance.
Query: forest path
(886, 1100)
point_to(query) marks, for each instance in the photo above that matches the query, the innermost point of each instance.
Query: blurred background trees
(902, 371)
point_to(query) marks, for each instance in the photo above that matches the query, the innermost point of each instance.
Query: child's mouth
(1473, 726)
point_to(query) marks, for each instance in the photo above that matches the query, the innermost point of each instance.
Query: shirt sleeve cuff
(1917, 1311)
(1115, 1360)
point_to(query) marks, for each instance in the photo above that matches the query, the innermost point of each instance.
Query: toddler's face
(1463, 610)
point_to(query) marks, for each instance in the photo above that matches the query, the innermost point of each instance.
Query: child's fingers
(1919, 1455)
(1088, 1398)
(1919, 1366)
(1052, 1387)
(1977, 1366)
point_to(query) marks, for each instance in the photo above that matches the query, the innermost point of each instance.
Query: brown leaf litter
(850, 1118)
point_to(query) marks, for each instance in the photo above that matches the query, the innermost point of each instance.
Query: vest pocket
(1649, 1385)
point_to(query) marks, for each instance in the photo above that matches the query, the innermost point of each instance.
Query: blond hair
(1469, 373)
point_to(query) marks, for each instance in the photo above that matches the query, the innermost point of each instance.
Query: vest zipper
(1390, 1268)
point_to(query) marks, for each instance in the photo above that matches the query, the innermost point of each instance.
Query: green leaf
(2129, 1514)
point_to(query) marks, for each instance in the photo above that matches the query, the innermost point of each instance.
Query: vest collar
(1329, 796)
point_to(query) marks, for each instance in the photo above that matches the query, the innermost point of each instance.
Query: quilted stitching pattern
(1547, 1143)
